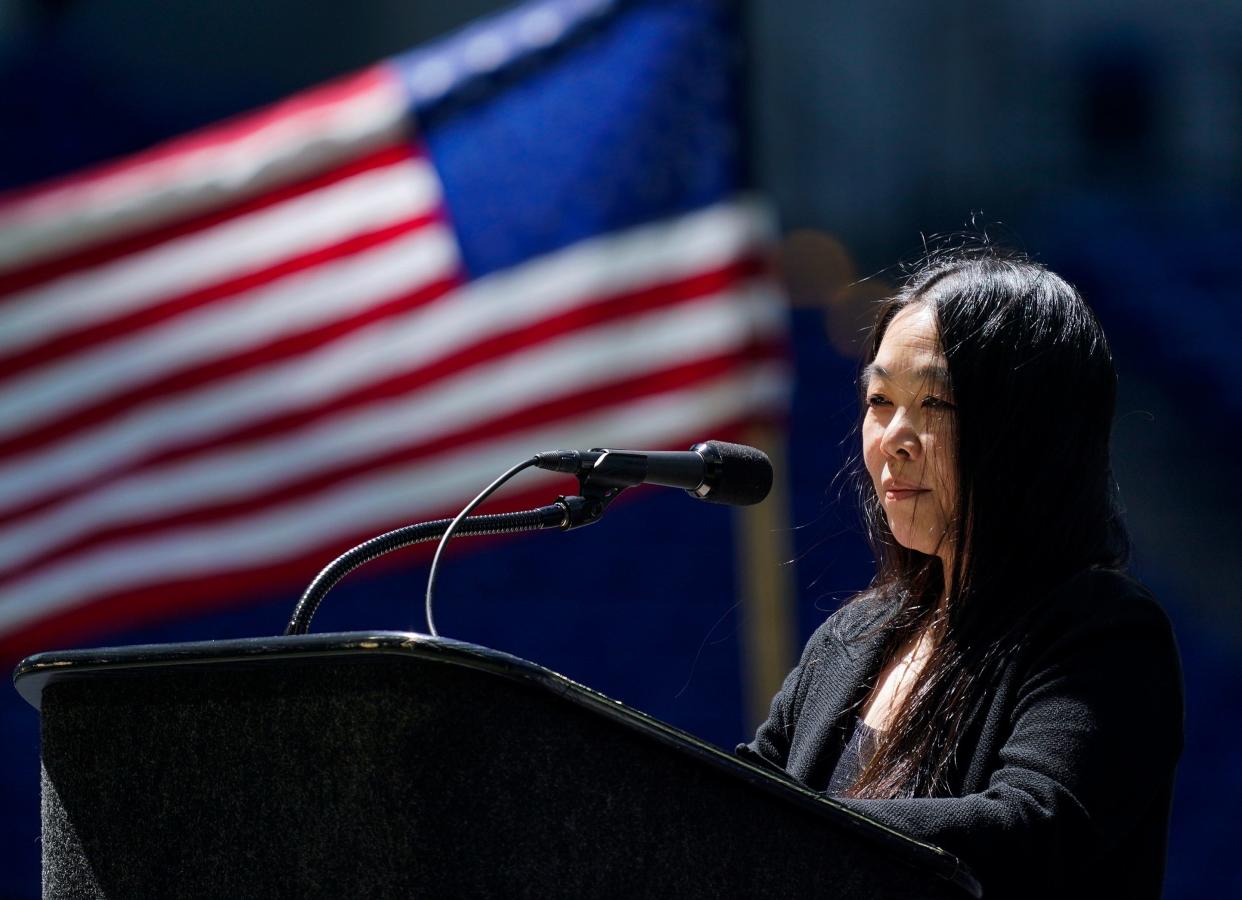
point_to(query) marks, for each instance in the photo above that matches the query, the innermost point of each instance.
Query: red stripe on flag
(546, 410)
(186, 379)
(183, 598)
(616, 307)
(102, 253)
(83, 339)
(343, 91)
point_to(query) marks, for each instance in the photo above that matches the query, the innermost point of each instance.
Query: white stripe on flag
(289, 305)
(62, 219)
(377, 499)
(363, 202)
(573, 277)
(614, 353)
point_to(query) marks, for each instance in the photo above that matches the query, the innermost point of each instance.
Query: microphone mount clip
(600, 481)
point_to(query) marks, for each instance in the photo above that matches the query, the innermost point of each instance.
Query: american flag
(228, 358)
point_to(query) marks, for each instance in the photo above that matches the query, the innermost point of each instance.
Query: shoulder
(1104, 633)
(852, 632)
(1097, 600)
(860, 621)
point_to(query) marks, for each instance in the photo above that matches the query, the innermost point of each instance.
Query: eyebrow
(936, 373)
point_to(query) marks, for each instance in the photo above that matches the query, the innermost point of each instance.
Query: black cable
(565, 514)
(435, 560)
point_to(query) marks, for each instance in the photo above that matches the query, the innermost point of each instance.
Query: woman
(1001, 689)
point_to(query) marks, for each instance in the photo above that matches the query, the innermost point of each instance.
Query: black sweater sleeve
(1095, 734)
(773, 737)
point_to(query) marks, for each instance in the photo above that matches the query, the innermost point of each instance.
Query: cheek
(945, 475)
(948, 479)
(873, 456)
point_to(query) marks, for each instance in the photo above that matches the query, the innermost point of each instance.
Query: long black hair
(1034, 387)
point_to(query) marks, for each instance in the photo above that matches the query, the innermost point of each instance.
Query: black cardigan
(1066, 773)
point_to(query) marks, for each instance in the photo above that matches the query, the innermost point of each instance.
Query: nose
(901, 437)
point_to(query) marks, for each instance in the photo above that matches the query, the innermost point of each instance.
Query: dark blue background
(1109, 142)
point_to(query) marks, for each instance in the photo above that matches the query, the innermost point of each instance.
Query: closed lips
(898, 491)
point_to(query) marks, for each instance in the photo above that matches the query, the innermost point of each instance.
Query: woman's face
(907, 433)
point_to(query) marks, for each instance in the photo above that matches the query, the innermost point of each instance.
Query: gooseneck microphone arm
(714, 471)
(565, 514)
(541, 519)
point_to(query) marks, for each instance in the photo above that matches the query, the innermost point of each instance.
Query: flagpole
(766, 583)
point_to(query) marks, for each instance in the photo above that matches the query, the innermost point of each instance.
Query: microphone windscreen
(744, 477)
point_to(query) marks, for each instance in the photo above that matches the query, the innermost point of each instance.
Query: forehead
(910, 347)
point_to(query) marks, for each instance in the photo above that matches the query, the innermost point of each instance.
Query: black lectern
(398, 765)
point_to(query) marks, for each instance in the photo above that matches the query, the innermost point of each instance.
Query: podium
(391, 764)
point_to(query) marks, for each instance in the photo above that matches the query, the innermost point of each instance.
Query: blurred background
(1103, 138)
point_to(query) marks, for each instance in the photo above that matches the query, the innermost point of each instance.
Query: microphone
(715, 471)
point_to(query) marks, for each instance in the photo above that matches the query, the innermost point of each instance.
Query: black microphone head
(736, 474)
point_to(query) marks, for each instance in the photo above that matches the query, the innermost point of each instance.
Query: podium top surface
(36, 672)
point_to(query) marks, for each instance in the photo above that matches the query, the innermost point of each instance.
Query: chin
(923, 545)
